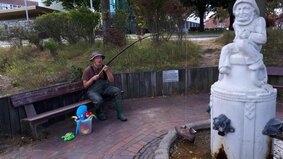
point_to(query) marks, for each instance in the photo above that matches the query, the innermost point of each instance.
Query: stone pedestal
(249, 108)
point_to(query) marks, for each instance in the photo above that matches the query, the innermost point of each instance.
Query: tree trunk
(105, 11)
(201, 19)
(231, 15)
(262, 7)
(232, 18)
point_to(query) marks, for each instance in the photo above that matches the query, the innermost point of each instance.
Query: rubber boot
(119, 111)
(100, 115)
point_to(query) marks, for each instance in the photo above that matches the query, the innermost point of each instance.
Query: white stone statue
(250, 35)
(241, 101)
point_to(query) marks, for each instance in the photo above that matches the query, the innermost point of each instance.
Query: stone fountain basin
(201, 146)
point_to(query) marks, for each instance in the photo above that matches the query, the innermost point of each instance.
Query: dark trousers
(101, 89)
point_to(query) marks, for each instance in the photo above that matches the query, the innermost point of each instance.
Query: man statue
(250, 35)
(96, 78)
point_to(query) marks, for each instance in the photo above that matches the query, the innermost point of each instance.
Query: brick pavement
(149, 119)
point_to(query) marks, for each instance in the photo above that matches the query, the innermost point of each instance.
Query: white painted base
(249, 111)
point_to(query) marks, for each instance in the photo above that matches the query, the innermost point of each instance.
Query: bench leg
(33, 128)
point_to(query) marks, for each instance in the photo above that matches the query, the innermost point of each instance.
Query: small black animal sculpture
(223, 125)
(273, 127)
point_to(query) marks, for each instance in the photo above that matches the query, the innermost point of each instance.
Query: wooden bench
(275, 71)
(27, 99)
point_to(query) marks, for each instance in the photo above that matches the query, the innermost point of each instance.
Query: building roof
(20, 13)
(216, 23)
(19, 2)
(193, 20)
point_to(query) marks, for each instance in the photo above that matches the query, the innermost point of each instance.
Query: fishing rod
(113, 58)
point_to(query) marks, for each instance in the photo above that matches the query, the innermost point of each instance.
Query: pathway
(149, 119)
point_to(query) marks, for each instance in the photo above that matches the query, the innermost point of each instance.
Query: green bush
(73, 26)
(75, 73)
(120, 19)
(84, 23)
(33, 38)
(51, 24)
(17, 35)
(3, 33)
(273, 50)
(51, 45)
(4, 60)
(117, 34)
(113, 36)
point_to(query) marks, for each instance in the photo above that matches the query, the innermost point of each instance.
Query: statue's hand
(244, 34)
(240, 44)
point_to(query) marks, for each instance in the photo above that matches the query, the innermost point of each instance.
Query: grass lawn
(29, 68)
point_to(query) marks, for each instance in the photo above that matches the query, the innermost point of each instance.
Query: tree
(99, 5)
(117, 34)
(159, 16)
(228, 6)
(150, 13)
(178, 15)
(73, 26)
(105, 11)
(262, 6)
(274, 18)
(200, 8)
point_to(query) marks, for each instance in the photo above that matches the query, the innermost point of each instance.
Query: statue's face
(244, 13)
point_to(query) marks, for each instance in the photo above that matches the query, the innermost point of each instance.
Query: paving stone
(138, 138)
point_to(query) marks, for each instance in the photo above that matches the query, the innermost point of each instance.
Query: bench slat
(45, 93)
(275, 71)
(278, 86)
(54, 112)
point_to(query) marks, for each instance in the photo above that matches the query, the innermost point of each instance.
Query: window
(4, 6)
(9, 6)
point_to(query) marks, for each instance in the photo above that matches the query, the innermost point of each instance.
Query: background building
(191, 24)
(14, 13)
(54, 6)
(14, 4)
(216, 23)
